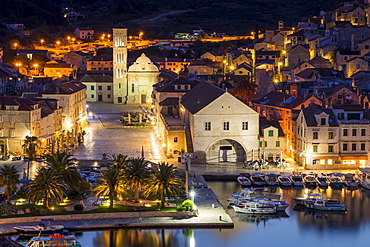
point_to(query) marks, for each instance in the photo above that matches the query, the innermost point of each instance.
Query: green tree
(137, 174)
(111, 183)
(164, 181)
(245, 89)
(9, 178)
(65, 166)
(47, 187)
(30, 148)
(119, 161)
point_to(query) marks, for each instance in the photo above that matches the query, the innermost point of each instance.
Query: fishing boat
(271, 179)
(312, 198)
(247, 193)
(297, 179)
(322, 180)
(244, 180)
(254, 208)
(284, 180)
(322, 204)
(52, 240)
(335, 179)
(40, 229)
(350, 180)
(258, 179)
(364, 179)
(310, 180)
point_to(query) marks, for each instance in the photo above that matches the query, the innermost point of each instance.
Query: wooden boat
(335, 179)
(364, 179)
(322, 180)
(350, 180)
(310, 180)
(297, 179)
(271, 179)
(312, 198)
(254, 208)
(322, 204)
(258, 179)
(284, 180)
(243, 180)
(52, 240)
(40, 229)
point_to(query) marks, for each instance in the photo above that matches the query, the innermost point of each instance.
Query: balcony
(173, 124)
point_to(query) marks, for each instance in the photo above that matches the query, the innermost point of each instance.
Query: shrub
(187, 205)
(78, 208)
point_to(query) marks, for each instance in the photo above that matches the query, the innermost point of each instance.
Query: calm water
(295, 228)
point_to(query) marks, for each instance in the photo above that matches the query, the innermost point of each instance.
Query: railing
(171, 127)
(353, 121)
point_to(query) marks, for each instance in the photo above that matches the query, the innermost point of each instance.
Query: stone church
(133, 85)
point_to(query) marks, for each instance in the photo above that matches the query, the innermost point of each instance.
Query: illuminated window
(322, 162)
(330, 162)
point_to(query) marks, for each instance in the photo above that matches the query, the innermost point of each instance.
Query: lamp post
(42, 42)
(36, 68)
(15, 46)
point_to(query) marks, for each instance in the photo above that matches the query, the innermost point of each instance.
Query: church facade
(133, 85)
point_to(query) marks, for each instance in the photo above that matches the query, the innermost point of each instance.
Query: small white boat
(243, 180)
(350, 180)
(258, 179)
(247, 193)
(40, 229)
(364, 179)
(284, 180)
(310, 180)
(322, 180)
(297, 179)
(271, 179)
(254, 208)
(312, 198)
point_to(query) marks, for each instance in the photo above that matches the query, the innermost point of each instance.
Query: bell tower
(120, 87)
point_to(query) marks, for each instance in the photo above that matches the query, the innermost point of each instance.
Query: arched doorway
(226, 150)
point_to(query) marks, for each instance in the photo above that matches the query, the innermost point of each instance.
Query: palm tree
(245, 89)
(47, 186)
(164, 181)
(30, 147)
(137, 173)
(9, 178)
(63, 165)
(111, 183)
(119, 161)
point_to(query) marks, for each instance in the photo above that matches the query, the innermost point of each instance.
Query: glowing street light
(15, 46)
(141, 34)
(42, 42)
(36, 65)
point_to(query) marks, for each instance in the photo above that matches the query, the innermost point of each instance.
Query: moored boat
(244, 180)
(258, 179)
(309, 197)
(52, 240)
(350, 180)
(322, 180)
(335, 179)
(321, 204)
(40, 229)
(284, 180)
(310, 180)
(364, 179)
(297, 179)
(254, 208)
(271, 179)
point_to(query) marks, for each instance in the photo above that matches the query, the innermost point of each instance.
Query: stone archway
(225, 150)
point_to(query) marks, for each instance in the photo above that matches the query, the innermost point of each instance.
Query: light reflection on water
(295, 228)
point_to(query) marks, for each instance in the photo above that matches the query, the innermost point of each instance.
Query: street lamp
(15, 46)
(18, 65)
(192, 195)
(42, 42)
(36, 66)
(141, 35)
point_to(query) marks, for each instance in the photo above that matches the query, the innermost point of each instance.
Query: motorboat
(364, 179)
(284, 180)
(297, 179)
(243, 180)
(258, 179)
(247, 193)
(254, 208)
(40, 229)
(312, 198)
(322, 204)
(309, 197)
(323, 180)
(52, 240)
(310, 180)
(335, 179)
(350, 180)
(271, 179)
